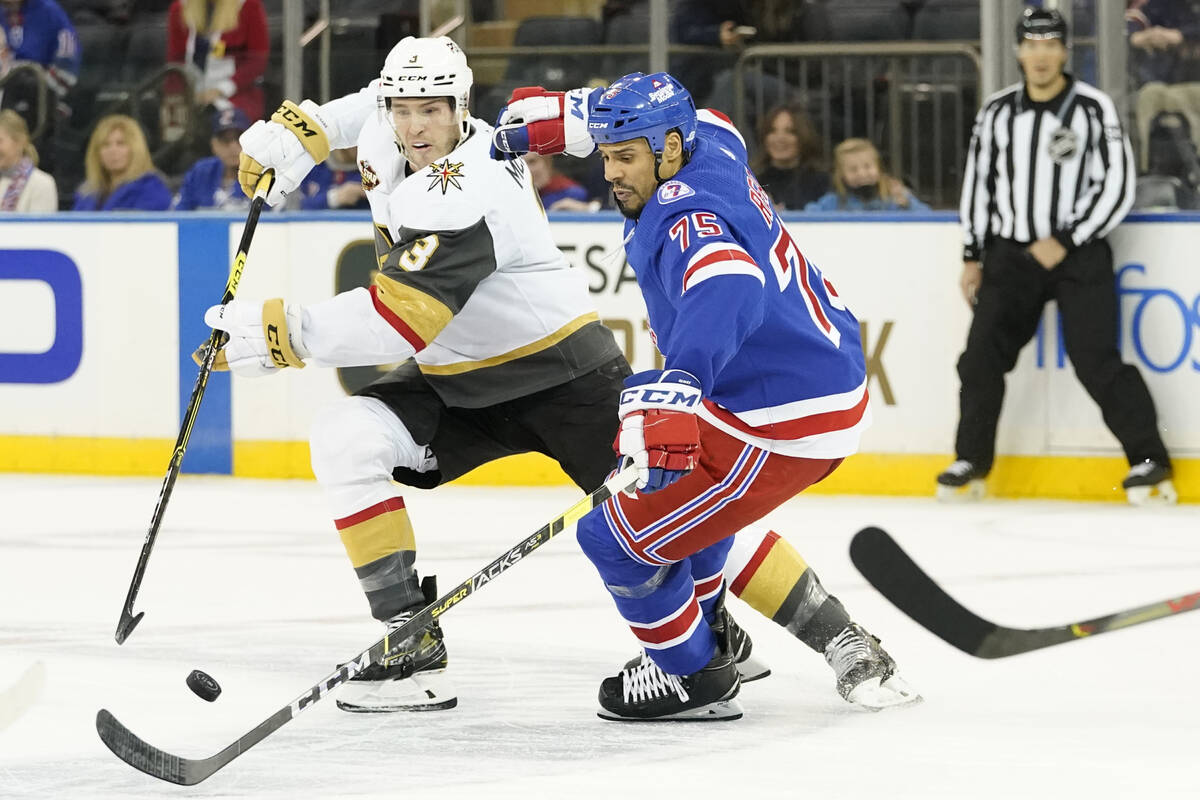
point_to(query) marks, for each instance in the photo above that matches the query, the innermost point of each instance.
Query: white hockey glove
(658, 431)
(292, 142)
(539, 121)
(263, 337)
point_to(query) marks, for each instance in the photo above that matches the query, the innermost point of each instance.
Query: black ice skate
(961, 481)
(644, 693)
(749, 666)
(866, 674)
(412, 678)
(1149, 483)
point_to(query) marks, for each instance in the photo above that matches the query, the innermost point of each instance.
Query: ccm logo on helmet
(412, 78)
(659, 397)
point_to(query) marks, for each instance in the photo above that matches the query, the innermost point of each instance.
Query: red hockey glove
(539, 121)
(658, 431)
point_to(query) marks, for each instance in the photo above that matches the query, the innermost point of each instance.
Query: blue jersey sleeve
(719, 286)
(714, 125)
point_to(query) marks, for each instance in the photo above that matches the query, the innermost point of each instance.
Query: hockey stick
(20, 697)
(898, 578)
(188, 771)
(128, 621)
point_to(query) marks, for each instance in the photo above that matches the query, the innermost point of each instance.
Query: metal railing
(915, 100)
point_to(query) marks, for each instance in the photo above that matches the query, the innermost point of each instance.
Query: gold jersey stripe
(512, 355)
(379, 536)
(774, 579)
(423, 313)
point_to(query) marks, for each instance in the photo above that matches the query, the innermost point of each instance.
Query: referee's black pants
(1009, 305)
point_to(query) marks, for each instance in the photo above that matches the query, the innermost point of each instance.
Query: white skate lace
(646, 681)
(846, 650)
(959, 468)
(399, 648)
(1141, 470)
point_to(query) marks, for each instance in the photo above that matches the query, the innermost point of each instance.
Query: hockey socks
(772, 578)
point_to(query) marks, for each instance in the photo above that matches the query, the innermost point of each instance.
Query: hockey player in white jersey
(502, 349)
(505, 352)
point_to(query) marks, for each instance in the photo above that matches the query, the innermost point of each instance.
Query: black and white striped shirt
(1061, 168)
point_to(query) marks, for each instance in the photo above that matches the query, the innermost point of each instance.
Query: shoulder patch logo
(445, 174)
(369, 178)
(671, 191)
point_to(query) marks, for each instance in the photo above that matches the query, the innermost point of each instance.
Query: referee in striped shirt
(1048, 175)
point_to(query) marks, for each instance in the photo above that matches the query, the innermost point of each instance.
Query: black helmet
(1041, 23)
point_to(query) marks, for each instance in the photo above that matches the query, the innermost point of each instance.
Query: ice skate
(642, 692)
(749, 666)
(962, 481)
(411, 679)
(1149, 483)
(866, 674)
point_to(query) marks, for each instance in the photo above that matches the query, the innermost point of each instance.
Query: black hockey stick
(898, 578)
(188, 771)
(128, 620)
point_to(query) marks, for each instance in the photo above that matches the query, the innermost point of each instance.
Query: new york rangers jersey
(733, 301)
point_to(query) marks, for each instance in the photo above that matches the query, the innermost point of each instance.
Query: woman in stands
(120, 174)
(788, 162)
(23, 187)
(860, 183)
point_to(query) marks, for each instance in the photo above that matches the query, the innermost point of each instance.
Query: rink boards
(99, 315)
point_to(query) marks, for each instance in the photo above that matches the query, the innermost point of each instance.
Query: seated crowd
(213, 80)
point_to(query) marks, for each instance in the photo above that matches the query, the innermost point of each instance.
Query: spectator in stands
(227, 42)
(23, 187)
(1165, 37)
(788, 161)
(40, 32)
(557, 191)
(120, 175)
(212, 182)
(334, 183)
(732, 24)
(860, 183)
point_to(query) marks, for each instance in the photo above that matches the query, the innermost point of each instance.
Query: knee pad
(359, 439)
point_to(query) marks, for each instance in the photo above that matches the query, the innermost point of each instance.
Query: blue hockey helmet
(644, 106)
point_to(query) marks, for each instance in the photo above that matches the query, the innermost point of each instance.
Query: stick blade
(126, 625)
(138, 754)
(898, 578)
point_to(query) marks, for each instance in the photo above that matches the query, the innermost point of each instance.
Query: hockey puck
(203, 685)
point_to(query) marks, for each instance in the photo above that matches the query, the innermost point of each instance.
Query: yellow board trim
(79, 455)
(512, 355)
(1060, 477)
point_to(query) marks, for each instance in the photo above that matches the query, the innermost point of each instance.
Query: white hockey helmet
(429, 67)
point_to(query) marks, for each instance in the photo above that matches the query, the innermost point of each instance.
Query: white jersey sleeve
(346, 116)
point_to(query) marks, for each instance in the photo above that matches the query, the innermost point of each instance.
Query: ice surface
(249, 582)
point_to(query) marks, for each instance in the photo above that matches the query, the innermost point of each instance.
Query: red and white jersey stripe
(720, 258)
(820, 427)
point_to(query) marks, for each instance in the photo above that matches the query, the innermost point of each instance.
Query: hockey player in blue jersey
(763, 394)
